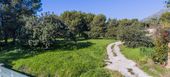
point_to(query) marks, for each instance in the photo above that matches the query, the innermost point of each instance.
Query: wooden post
(168, 61)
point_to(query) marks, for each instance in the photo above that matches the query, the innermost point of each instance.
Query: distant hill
(156, 15)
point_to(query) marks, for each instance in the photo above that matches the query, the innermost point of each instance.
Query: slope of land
(157, 15)
(85, 60)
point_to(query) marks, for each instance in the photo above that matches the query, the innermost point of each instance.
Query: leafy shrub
(160, 54)
(134, 36)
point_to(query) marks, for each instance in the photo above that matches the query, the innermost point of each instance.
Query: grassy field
(144, 61)
(86, 59)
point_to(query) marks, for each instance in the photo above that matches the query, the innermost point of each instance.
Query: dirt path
(118, 62)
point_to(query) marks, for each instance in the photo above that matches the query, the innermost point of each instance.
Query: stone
(168, 45)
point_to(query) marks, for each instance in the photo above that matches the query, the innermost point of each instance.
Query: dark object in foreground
(5, 72)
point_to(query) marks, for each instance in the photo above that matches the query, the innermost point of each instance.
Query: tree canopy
(98, 27)
(42, 30)
(11, 12)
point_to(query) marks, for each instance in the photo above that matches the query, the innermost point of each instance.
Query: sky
(118, 9)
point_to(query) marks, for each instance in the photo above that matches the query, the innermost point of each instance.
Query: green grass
(144, 61)
(134, 54)
(101, 73)
(75, 62)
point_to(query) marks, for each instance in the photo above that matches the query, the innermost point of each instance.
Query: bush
(134, 36)
(111, 32)
(160, 54)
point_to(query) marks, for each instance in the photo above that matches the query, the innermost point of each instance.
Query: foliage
(18, 20)
(42, 31)
(165, 19)
(161, 53)
(98, 27)
(111, 28)
(134, 36)
(11, 12)
(77, 22)
(34, 30)
(128, 22)
(88, 19)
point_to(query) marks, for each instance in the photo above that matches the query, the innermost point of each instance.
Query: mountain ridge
(156, 15)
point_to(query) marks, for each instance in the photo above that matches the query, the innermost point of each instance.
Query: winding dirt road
(118, 62)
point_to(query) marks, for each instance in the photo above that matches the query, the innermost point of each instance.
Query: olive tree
(98, 26)
(134, 36)
(42, 31)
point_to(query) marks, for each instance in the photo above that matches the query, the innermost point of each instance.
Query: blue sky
(111, 8)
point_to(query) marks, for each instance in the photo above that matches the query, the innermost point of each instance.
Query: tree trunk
(14, 38)
(6, 38)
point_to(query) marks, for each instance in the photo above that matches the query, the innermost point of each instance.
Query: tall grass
(101, 73)
(67, 63)
(143, 58)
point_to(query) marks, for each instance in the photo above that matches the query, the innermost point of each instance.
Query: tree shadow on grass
(72, 45)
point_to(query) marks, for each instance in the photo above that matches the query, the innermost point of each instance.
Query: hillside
(82, 62)
(156, 15)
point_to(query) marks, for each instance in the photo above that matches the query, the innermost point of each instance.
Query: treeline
(11, 17)
(20, 22)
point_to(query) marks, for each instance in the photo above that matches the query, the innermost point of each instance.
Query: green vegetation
(101, 73)
(42, 31)
(98, 26)
(161, 51)
(134, 36)
(144, 61)
(135, 54)
(28, 29)
(64, 62)
(161, 40)
(49, 45)
(11, 13)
